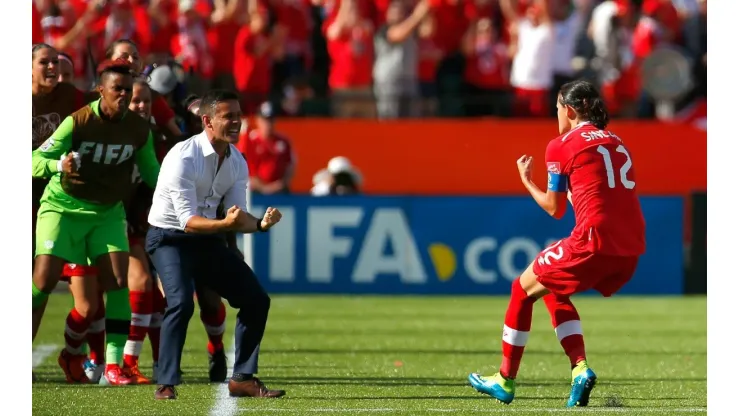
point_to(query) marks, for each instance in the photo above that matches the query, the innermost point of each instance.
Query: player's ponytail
(584, 98)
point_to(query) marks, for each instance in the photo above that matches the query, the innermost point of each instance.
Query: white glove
(77, 159)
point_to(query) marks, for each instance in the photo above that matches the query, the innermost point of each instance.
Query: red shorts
(77, 270)
(565, 271)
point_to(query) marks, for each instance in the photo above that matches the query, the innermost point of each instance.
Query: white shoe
(93, 371)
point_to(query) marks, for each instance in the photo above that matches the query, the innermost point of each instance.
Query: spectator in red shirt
(486, 72)
(190, 47)
(226, 20)
(65, 27)
(429, 57)
(451, 24)
(366, 8)
(350, 47)
(253, 51)
(269, 155)
(293, 18)
(655, 27)
(37, 32)
(611, 28)
(157, 20)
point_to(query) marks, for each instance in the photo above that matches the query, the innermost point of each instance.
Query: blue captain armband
(557, 182)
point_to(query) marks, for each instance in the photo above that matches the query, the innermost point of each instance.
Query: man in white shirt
(533, 42)
(187, 243)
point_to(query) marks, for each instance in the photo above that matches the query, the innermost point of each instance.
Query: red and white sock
(158, 305)
(567, 326)
(75, 332)
(141, 316)
(215, 327)
(96, 333)
(517, 324)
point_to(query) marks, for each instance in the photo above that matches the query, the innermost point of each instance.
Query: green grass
(411, 355)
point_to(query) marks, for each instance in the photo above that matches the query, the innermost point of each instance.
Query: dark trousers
(185, 260)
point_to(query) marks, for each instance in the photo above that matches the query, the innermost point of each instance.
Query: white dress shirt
(190, 183)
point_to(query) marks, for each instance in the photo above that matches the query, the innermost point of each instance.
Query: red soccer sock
(75, 332)
(141, 316)
(517, 324)
(96, 333)
(567, 326)
(215, 326)
(158, 305)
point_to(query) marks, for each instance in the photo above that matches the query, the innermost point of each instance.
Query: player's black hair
(118, 66)
(39, 46)
(585, 99)
(210, 101)
(112, 47)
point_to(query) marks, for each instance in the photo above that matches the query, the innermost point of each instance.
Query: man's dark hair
(585, 100)
(210, 101)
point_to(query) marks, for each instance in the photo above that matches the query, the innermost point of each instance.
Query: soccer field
(411, 356)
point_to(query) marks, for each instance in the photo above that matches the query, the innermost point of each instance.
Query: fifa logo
(108, 154)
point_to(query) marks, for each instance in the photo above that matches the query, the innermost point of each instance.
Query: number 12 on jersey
(610, 167)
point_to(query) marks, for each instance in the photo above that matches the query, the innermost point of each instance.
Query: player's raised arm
(146, 160)
(555, 200)
(46, 159)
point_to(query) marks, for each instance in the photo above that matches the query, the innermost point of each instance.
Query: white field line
(488, 411)
(225, 405)
(41, 352)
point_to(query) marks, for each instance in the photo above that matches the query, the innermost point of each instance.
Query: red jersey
(268, 160)
(252, 62)
(488, 66)
(597, 168)
(351, 59)
(161, 111)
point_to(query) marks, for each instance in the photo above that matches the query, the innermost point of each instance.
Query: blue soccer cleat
(583, 381)
(496, 386)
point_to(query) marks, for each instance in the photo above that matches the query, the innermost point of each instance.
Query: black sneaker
(217, 366)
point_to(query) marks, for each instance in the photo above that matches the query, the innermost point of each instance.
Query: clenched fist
(233, 216)
(272, 216)
(524, 164)
(70, 163)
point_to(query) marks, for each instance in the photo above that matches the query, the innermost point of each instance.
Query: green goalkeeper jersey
(108, 151)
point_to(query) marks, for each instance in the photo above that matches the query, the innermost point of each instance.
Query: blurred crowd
(388, 58)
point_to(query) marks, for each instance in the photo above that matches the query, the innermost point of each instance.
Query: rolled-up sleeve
(237, 194)
(180, 179)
